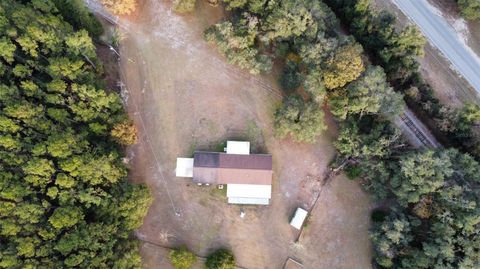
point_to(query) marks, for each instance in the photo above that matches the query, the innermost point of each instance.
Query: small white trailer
(299, 218)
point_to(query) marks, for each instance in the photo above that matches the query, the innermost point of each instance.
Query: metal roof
(222, 168)
(241, 161)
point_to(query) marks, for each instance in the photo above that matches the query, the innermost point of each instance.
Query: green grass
(217, 193)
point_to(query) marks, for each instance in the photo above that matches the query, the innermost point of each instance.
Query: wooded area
(64, 196)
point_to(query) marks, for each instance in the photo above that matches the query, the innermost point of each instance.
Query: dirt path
(183, 96)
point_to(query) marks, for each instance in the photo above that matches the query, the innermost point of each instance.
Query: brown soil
(183, 96)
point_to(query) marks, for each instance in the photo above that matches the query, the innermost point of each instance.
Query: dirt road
(183, 96)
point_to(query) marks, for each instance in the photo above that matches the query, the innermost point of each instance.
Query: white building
(299, 218)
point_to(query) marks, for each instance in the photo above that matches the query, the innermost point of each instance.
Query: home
(248, 177)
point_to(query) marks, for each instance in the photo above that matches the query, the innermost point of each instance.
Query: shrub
(220, 259)
(182, 258)
(183, 6)
(125, 133)
(120, 7)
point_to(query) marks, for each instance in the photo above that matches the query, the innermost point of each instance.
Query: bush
(120, 7)
(353, 172)
(183, 6)
(220, 259)
(125, 133)
(182, 258)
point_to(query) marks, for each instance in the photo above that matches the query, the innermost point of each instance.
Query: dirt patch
(183, 96)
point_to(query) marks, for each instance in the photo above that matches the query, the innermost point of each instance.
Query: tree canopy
(220, 259)
(470, 9)
(64, 197)
(303, 121)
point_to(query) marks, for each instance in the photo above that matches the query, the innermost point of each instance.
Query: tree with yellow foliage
(125, 133)
(120, 7)
(344, 66)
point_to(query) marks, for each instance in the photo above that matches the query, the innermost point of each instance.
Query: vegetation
(303, 121)
(124, 132)
(120, 7)
(470, 9)
(237, 43)
(64, 198)
(76, 13)
(433, 220)
(434, 195)
(182, 258)
(396, 52)
(220, 259)
(184, 6)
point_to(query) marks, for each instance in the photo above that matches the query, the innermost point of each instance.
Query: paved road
(444, 37)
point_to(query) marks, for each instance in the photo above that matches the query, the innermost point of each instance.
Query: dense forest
(64, 197)
(427, 201)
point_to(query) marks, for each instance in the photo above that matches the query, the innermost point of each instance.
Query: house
(248, 176)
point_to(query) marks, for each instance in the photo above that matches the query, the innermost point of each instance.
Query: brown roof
(223, 160)
(221, 168)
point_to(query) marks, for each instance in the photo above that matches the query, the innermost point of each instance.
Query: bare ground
(183, 96)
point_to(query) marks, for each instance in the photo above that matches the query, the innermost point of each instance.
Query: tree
(421, 173)
(237, 43)
(184, 6)
(313, 85)
(344, 66)
(287, 19)
(65, 217)
(125, 133)
(470, 9)
(391, 236)
(77, 14)
(181, 258)
(370, 94)
(291, 78)
(303, 121)
(120, 7)
(220, 259)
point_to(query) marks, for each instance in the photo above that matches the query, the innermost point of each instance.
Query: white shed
(299, 218)
(184, 167)
(238, 147)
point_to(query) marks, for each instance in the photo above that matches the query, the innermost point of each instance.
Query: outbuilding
(299, 218)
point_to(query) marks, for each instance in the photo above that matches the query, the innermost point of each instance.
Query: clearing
(183, 96)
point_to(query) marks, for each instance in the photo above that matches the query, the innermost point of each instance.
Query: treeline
(64, 198)
(397, 53)
(428, 215)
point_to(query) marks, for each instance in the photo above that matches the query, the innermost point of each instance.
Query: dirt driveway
(183, 96)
